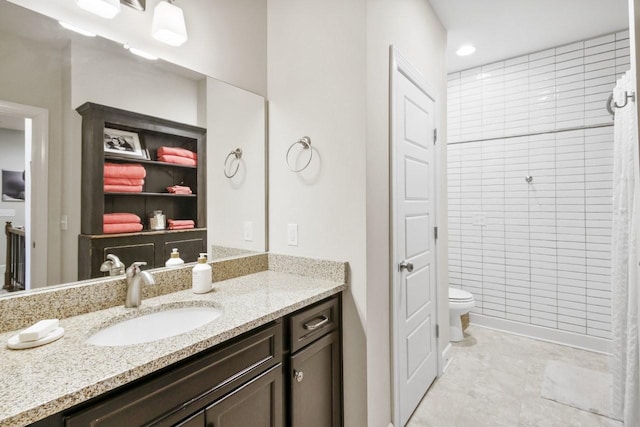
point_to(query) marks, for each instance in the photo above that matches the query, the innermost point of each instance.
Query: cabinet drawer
(199, 382)
(313, 322)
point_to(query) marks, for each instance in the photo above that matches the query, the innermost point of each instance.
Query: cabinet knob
(298, 375)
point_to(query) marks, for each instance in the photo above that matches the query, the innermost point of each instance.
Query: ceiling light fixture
(103, 8)
(465, 50)
(76, 29)
(168, 24)
(141, 53)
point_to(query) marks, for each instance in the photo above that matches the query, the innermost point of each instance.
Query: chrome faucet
(113, 265)
(134, 276)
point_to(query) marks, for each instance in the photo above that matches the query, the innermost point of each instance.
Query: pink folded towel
(176, 151)
(124, 170)
(177, 160)
(181, 222)
(180, 227)
(121, 228)
(123, 188)
(179, 189)
(121, 218)
(123, 181)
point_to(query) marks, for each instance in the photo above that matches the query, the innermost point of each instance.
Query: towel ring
(237, 154)
(305, 141)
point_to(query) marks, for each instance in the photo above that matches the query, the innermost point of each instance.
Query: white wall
(227, 38)
(12, 159)
(122, 81)
(235, 119)
(335, 89)
(316, 82)
(414, 29)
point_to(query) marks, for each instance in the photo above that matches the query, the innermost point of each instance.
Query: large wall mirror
(47, 72)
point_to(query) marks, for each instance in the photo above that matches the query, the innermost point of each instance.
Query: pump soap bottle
(175, 260)
(201, 276)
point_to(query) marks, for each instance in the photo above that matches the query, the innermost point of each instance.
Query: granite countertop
(42, 381)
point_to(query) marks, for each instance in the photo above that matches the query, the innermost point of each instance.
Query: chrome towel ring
(237, 154)
(305, 141)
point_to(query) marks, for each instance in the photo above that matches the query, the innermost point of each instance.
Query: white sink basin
(154, 326)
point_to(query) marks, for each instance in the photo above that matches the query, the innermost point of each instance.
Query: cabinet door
(316, 384)
(196, 420)
(256, 404)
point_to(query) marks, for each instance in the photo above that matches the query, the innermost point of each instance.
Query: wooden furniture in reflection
(15, 271)
(152, 246)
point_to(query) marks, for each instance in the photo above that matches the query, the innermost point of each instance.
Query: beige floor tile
(495, 379)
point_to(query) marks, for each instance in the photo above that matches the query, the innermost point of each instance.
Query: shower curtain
(624, 259)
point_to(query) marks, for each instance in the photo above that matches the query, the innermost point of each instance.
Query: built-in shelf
(150, 246)
(194, 196)
(146, 162)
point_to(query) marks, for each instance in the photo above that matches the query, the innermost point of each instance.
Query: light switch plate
(64, 222)
(248, 231)
(292, 234)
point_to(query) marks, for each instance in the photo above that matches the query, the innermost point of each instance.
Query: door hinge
(437, 331)
(435, 135)
(435, 232)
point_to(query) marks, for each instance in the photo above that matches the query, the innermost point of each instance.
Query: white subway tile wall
(538, 252)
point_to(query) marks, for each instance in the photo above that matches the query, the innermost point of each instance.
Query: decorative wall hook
(614, 104)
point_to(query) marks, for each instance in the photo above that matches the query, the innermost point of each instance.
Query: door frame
(399, 64)
(38, 224)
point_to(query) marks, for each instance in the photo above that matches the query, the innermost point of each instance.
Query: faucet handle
(113, 265)
(116, 261)
(135, 268)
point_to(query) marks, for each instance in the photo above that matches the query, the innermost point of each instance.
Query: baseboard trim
(446, 358)
(599, 345)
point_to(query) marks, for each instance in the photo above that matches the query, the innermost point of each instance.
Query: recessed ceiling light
(76, 29)
(465, 50)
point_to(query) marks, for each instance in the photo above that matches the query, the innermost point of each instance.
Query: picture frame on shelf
(123, 143)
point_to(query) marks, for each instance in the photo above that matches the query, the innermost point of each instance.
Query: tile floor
(495, 380)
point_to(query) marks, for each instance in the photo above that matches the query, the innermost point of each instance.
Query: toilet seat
(458, 295)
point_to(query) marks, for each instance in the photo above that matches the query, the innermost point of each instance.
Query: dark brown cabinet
(256, 404)
(316, 384)
(315, 366)
(252, 380)
(146, 245)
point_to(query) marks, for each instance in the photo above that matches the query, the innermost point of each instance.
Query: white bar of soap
(38, 330)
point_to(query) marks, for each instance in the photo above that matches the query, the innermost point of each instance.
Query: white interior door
(414, 262)
(36, 171)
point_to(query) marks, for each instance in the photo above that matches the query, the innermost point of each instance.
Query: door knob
(298, 375)
(405, 265)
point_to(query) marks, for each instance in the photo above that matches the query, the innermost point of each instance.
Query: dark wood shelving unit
(152, 246)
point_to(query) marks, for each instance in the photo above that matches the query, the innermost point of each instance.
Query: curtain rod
(535, 133)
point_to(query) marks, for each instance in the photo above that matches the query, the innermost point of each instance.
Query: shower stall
(530, 158)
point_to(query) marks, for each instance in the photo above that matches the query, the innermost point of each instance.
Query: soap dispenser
(201, 276)
(175, 260)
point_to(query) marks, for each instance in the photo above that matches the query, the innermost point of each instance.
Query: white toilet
(460, 302)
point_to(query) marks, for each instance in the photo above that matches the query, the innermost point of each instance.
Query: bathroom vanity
(273, 358)
(289, 369)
